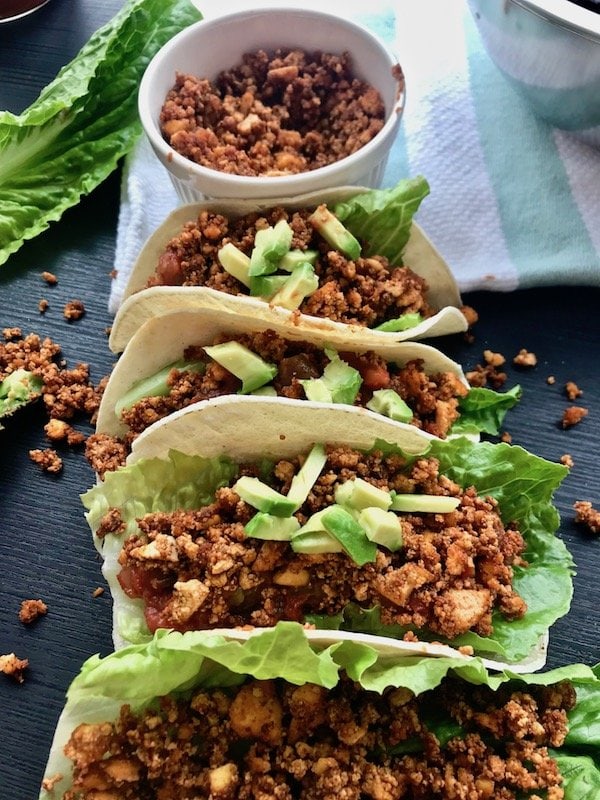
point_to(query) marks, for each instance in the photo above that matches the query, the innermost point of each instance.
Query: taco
(347, 257)
(189, 716)
(186, 357)
(249, 512)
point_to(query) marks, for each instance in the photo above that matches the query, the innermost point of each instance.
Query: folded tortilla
(181, 666)
(178, 463)
(141, 303)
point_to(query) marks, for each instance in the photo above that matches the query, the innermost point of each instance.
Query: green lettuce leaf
(72, 137)
(382, 218)
(483, 410)
(18, 389)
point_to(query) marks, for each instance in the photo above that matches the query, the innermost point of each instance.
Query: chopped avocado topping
(271, 528)
(293, 259)
(382, 527)
(305, 479)
(155, 385)
(235, 263)
(300, 284)
(390, 404)
(266, 286)
(339, 383)
(262, 497)
(332, 230)
(244, 364)
(342, 525)
(409, 320)
(315, 542)
(424, 503)
(265, 391)
(17, 389)
(270, 245)
(360, 494)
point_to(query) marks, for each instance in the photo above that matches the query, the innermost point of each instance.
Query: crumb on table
(525, 359)
(13, 667)
(587, 515)
(506, 437)
(32, 610)
(73, 310)
(48, 460)
(49, 783)
(43, 305)
(572, 390)
(550, 380)
(567, 460)
(573, 415)
(11, 333)
(98, 591)
(50, 278)
(57, 430)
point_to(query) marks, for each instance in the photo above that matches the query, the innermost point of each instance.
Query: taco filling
(270, 739)
(313, 537)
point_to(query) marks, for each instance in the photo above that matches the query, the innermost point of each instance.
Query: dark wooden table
(45, 545)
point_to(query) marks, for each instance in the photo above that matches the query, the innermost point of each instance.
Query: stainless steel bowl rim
(566, 14)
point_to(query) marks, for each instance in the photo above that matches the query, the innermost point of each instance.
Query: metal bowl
(549, 50)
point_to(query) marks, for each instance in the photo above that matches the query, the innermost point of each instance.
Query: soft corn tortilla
(141, 303)
(162, 340)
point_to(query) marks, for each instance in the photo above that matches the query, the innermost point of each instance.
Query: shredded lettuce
(18, 389)
(72, 137)
(382, 218)
(483, 410)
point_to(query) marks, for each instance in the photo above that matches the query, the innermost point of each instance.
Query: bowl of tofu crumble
(272, 102)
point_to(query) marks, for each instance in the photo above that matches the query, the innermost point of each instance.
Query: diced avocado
(305, 479)
(390, 404)
(332, 230)
(244, 364)
(360, 494)
(270, 245)
(315, 542)
(271, 528)
(235, 262)
(424, 503)
(382, 527)
(402, 323)
(265, 391)
(155, 385)
(342, 525)
(266, 286)
(339, 383)
(293, 259)
(316, 390)
(17, 389)
(300, 284)
(262, 497)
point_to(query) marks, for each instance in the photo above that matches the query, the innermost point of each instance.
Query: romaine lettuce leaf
(72, 137)
(18, 389)
(483, 410)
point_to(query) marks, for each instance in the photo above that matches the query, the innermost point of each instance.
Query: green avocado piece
(390, 404)
(305, 479)
(293, 259)
(424, 503)
(266, 286)
(155, 385)
(334, 233)
(262, 497)
(251, 369)
(382, 527)
(402, 323)
(316, 390)
(339, 382)
(235, 263)
(342, 525)
(300, 284)
(18, 389)
(271, 528)
(315, 542)
(360, 494)
(270, 245)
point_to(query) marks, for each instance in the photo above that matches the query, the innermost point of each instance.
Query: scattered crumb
(98, 591)
(587, 515)
(573, 415)
(410, 636)
(491, 373)
(57, 430)
(13, 667)
(506, 437)
(11, 333)
(73, 310)
(48, 784)
(50, 278)
(550, 380)
(466, 650)
(470, 315)
(572, 390)
(31, 610)
(108, 330)
(43, 305)
(113, 273)
(525, 359)
(567, 460)
(493, 359)
(48, 460)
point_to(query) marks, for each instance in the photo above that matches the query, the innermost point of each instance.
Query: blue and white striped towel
(514, 202)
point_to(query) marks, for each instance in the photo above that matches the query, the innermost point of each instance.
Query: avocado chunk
(424, 503)
(402, 323)
(305, 479)
(300, 284)
(340, 383)
(155, 385)
(293, 259)
(315, 542)
(342, 525)
(317, 390)
(334, 233)
(382, 527)
(271, 528)
(243, 363)
(266, 286)
(390, 404)
(270, 245)
(235, 263)
(360, 494)
(262, 497)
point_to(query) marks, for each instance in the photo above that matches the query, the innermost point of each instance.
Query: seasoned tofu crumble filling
(268, 740)
(364, 291)
(199, 569)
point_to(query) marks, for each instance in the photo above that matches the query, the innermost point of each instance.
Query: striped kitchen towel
(514, 202)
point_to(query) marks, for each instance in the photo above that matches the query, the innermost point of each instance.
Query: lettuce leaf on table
(72, 137)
